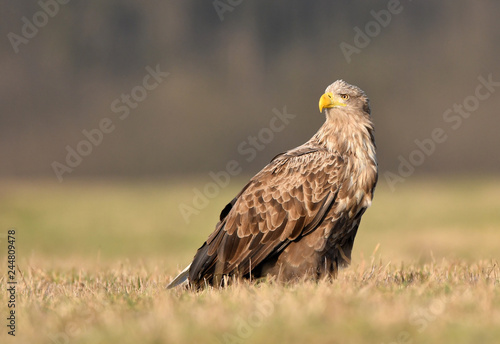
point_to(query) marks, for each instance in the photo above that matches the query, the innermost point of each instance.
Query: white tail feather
(181, 278)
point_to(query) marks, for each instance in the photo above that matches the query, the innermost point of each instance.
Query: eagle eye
(344, 96)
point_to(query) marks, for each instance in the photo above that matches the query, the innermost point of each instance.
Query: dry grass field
(94, 258)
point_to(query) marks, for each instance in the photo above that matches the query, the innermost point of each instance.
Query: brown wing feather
(286, 200)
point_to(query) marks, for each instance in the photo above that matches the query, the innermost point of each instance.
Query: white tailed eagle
(299, 215)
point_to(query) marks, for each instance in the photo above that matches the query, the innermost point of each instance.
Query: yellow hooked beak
(328, 100)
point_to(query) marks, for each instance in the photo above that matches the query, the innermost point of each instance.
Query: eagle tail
(181, 279)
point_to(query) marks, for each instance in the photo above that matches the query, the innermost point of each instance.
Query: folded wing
(286, 200)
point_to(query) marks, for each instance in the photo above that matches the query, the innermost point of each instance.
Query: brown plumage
(299, 215)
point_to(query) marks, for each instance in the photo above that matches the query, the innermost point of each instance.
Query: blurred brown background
(228, 71)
